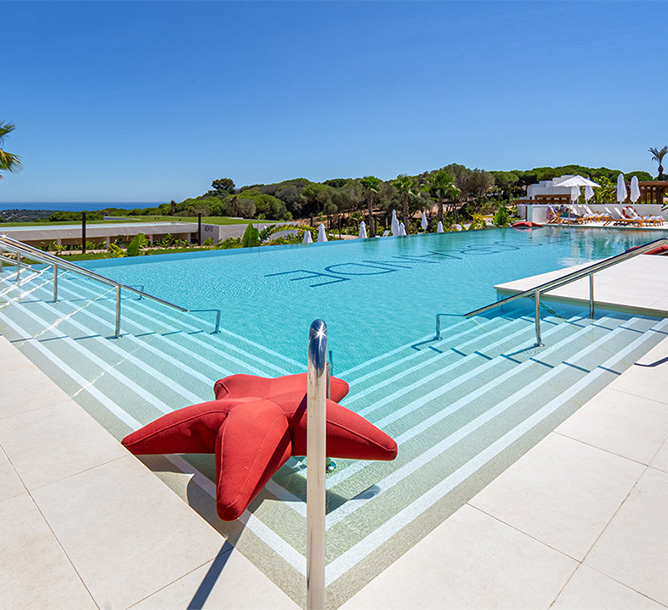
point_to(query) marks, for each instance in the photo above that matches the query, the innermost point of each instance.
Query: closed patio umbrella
(575, 193)
(621, 189)
(635, 189)
(394, 224)
(362, 230)
(307, 238)
(402, 229)
(424, 222)
(439, 228)
(322, 235)
(589, 192)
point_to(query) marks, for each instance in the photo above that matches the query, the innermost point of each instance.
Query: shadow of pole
(209, 581)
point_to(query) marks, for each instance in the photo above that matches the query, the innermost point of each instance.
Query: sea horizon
(75, 207)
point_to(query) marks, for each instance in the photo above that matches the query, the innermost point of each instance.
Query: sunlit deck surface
(577, 522)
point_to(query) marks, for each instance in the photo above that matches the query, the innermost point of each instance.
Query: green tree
(8, 161)
(223, 187)
(407, 188)
(441, 186)
(658, 155)
(371, 186)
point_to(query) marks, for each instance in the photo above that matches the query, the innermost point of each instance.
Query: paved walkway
(577, 522)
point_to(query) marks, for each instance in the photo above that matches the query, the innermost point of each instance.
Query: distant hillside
(24, 215)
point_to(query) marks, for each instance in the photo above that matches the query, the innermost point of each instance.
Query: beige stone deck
(577, 522)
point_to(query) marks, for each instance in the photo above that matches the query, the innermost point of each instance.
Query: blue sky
(151, 101)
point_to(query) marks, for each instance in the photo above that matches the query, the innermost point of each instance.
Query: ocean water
(74, 207)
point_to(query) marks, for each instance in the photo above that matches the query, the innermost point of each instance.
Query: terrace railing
(20, 249)
(537, 291)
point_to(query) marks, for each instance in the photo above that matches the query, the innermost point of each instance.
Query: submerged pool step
(189, 355)
(434, 368)
(482, 435)
(415, 418)
(226, 345)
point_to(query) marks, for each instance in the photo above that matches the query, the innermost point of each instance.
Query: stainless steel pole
(316, 428)
(118, 312)
(591, 295)
(55, 284)
(539, 341)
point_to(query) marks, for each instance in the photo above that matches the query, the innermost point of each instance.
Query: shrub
(502, 216)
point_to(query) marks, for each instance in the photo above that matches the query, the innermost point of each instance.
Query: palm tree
(441, 186)
(371, 185)
(658, 156)
(406, 187)
(8, 161)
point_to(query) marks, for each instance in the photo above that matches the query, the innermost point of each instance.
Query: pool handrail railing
(536, 291)
(18, 247)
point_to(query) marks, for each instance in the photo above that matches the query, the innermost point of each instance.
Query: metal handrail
(562, 281)
(18, 248)
(316, 439)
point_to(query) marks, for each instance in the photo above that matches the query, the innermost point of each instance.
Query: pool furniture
(617, 218)
(524, 224)
(253, 426)
(646, 220)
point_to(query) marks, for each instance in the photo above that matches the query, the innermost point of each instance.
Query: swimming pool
(374, 294)
(461, 410)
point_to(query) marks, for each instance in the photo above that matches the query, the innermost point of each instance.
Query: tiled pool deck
(578, 522)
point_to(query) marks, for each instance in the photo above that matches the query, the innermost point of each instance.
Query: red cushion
(253, 436)
(660, 250)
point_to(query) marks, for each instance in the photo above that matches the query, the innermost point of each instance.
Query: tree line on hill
(455, 191)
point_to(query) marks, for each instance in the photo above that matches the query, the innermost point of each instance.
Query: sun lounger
(598, 216)
(620, 219)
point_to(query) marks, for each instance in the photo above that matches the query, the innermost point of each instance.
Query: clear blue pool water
(374, 294)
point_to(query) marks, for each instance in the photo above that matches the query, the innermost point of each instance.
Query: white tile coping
(638, 284)
(84, 524)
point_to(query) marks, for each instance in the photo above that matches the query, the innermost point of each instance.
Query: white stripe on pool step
(350, 558)
(103, 399)
(149, 347)
(108, 368)
(447, 351)
(436, 450)
(435, 359)
(366, 363)
(416, 404)
(154, 313)
(262, 531)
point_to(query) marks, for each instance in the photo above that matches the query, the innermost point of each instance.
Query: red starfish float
(253, 426)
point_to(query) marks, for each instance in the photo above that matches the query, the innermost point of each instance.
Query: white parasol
(402, 229)
(577, 181)
(424, 222)
(635, 189)
(621, 189)
(362, 230)
(439, 228)
(322, 235)
(394, 224)
(589, 193)
(307, 237)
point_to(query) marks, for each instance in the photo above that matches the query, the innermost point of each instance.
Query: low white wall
(538, 213)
